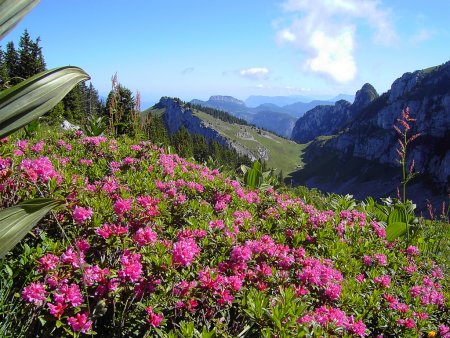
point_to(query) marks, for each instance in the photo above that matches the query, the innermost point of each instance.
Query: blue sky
(197, 48)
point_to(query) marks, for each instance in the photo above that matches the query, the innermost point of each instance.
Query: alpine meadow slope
(248, 140)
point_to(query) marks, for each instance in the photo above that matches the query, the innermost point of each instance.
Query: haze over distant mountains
(274, 113)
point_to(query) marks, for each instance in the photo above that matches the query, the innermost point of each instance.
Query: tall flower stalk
(402, 127)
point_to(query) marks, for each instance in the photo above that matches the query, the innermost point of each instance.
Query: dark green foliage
(11, 60)
(31, 60)
(219, 114)
(119, 109)
(187, 145)
(154, 130)
(18, 65)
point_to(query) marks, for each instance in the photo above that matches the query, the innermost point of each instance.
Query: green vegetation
(283, 154)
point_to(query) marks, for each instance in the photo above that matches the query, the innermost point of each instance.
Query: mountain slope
(247, 140)
(366, 134)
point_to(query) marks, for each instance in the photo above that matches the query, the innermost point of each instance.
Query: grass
(283, 154)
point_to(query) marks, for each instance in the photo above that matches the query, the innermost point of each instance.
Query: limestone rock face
(365, 128)
(321, 121)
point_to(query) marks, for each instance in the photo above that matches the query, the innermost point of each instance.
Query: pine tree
(31, 60)
(12, 62)
(73, 105)
(120, 109)
(4, 76)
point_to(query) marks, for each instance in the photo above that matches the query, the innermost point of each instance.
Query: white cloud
(325, 30)
(255, 73)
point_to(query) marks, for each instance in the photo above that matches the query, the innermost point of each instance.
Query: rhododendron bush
(150, 244)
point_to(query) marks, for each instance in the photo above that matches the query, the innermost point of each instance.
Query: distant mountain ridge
(280, 120)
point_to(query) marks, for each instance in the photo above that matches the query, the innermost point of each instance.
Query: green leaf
(26, 101)
(17, 221)
(12, 11)
(395, 230)
(397, 215)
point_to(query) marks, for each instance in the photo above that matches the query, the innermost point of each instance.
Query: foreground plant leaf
(26, 101)
(12, 11)
(17, 221)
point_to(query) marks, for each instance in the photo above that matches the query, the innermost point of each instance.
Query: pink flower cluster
(317, 273)
(429, 293)
(326, 316)
(80, 214)
(131, 266)
(35, 293)
(145, 236)
(41, 168)
(184, 252)
(122, 206)
(80, 322)
(108, 230)
(153, 318)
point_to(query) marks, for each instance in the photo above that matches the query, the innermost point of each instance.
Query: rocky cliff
(176, 115)
(364, 129)
(328, 120)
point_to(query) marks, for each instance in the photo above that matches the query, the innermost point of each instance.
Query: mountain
(227, 130)
(228, 104)
(298, 109)
(278, 122)
(358, 152)
(328, 120)
(267, 116)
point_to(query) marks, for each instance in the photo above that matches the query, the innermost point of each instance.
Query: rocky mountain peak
(365, 96)
(226, 99)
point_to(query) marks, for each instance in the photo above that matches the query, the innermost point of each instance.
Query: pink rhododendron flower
(71, 256)
(412, 250)
(68, 294)
(131, 266)
(241, 254)
(122, 206)
(384, 281)
(184, 252)
(380, 259)
(80, 322)
(444, 331)
(48, 262)
(145, 236)
(154, 319)
(57, 310)
(34, 293)
(94, 274)
(80, 214)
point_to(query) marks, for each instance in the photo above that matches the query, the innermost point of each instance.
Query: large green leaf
(26, 101)
(12, 11)
(17, 221)
(397, 215)
(395, 230)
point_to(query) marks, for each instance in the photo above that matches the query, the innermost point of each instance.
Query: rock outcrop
(327, 120)
(176, 115)
(365, 128)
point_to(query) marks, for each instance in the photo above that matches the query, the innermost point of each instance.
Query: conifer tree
(4, 76)
(120, 109)
(12, 62)
(30, 58)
